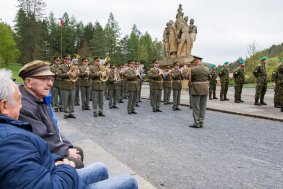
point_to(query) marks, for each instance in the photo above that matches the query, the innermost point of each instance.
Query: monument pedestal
(169, 61)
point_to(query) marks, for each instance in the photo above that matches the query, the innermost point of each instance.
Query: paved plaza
(162, 151)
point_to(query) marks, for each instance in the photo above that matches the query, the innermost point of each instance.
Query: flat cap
(35, 68)
(242, 61)
(197, 57)
(176, 63)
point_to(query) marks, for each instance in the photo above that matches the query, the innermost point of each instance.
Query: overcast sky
(225, 27)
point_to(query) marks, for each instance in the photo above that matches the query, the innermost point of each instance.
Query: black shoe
(178, 109)
(121, 101)
(241, 100)
(125, 97)
(94, 114)
(66, 116)
(281, 109)
(77, 104)
(237, 101)
(140, 101)
(114, 106)
(257, 103)
(55, 109)
(61, 109)
(154, 110)
(158, 110)
(210, 98)
(83, 109)
(133, 112)
(129, 112)
(101, 114)
(215, 98)
(110, 107)
(72, 116)
(263, 103)
(137, 105)
(194, 126)
(277, 106)
(87, 108)
(226, 99)
(174, 109)
(221, 99)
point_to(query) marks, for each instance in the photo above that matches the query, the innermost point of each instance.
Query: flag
(60, 22)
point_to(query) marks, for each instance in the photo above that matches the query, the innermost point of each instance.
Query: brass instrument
(74, 72)
(104, 73)
(75, 59)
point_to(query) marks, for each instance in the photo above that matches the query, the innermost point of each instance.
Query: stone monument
(178, 39)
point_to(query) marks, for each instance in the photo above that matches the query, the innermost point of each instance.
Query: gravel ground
(229, 152)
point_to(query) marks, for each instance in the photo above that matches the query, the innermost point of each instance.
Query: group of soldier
(261, 76)
(95, 81)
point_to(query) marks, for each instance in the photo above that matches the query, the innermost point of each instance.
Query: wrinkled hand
(74, 153)
(65, 161)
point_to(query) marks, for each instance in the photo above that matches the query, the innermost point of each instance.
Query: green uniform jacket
(239, 75)
(213, 77)
(96, 83)
(167, 81)
(132, 79)
(156, 78)
(84, 77)
(224, 75)
(53, 69)
(177, 78)
(66, 83)
(111, 82)
(279, 74)
(199, 80)
(260, 73)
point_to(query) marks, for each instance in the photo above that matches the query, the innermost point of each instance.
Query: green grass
(15, 67)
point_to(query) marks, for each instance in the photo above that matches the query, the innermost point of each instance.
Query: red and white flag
(60, 22)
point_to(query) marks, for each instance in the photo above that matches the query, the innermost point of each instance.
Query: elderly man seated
(38, 80)
(26, 160)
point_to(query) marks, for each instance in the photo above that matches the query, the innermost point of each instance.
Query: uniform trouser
(276, 94)
(77, 95)
(126, 94)
(55, 96)
(138, 91)
(224, 89)
(176, 97)
(68, 98)
(156, 98)
(199, 108)
(212, 90)
(280, 94)
(85, 95)
(97, 99)
(238, 91)
(260, 91)
(190, 94)
(106, 94)
(112, 97)
(132, 101)
(166, 94)
(150, 96)
(120, 92)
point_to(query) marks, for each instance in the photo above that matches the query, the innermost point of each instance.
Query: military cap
(263, 58)
(112, 67)
(168, 67)
(242, 61)
(226, 62)
(176, 63)
(35, 68)
(197, 57)
(211, 66)
(67, 56)
(96, 58)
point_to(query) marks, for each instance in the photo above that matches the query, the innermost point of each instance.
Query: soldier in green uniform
(75, 61)
(97, 87)
(199, 91)
(112, 87)
(132, 81)
(167, 86)
(224, 78)
(55, 91)
(68, 86)
(212, 82)
(276, 98)
(156, 75)
(121, 83)
(239, 76)
(177, 78)
(261, 81)
(85, 84)
(279, 77)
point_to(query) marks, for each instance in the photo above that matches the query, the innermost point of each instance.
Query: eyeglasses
(44, 79)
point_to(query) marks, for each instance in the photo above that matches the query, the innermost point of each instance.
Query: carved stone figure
(165, 40)
(172, 39)
(183, 42)
(192, 35)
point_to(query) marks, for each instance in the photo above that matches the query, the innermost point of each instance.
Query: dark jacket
(37, 113)
(26, 161)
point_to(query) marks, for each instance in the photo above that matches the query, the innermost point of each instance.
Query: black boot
(276, 105)
(256, 102)
(221, 98)
(210, 98)
(214, 96)
(262, 102)
(281, 109)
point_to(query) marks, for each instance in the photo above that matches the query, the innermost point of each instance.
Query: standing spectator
(212, 82)
(239, 75)
(199, 91)
(261, 81)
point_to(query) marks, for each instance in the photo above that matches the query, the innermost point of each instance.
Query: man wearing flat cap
(260, 74)
(239, 76)
(224, 78)
(199, 91)
(38, 80)
(177, 78)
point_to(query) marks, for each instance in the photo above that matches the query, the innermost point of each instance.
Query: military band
(85, 84)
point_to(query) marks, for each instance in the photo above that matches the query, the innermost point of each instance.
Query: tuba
(74, 69)
(104, 73)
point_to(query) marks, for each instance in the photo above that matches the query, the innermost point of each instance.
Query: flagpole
(61, 44)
